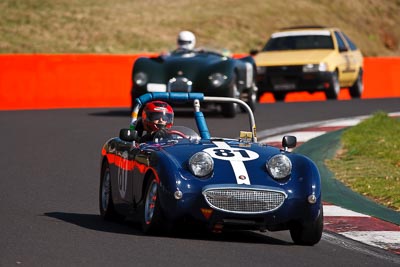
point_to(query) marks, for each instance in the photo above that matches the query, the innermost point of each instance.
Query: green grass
(136, 26)
(369, 161)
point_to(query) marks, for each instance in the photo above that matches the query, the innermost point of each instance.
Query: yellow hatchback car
(311, 59)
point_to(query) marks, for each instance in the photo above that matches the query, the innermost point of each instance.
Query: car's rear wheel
(358, 87)
(153, 221)
(250, 97)
(106, 204)
(334, 87)
(309, 233)
(279, 96)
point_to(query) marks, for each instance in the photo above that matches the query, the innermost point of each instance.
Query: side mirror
(253, 52)
(128, 135)
(289, 141)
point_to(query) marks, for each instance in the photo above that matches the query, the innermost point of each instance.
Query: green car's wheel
(251, 97)
(229, 110)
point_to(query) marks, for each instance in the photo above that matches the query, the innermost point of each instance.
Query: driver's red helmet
(157, 115)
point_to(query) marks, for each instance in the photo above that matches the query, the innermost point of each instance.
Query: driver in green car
(185, 41)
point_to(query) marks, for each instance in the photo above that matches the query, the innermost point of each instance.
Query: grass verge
(369, 159)
(126, 26)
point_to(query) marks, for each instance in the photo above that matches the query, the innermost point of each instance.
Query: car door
(125, 152)
(347, 62)
(355, 56)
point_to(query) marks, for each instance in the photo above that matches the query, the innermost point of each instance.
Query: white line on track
(336, 211)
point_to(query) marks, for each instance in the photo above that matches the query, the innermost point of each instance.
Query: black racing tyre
(229, 110)
(358, 87)
(153, 220)
(333, 91)
(279, 96)
(259, 94)
(308, 234)
(251, 97)
(106, 204)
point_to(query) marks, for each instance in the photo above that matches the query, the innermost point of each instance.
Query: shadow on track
(95, 222)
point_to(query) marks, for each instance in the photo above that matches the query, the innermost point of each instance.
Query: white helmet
(186, 40)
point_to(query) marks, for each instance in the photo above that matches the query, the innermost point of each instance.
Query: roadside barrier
(41, 81)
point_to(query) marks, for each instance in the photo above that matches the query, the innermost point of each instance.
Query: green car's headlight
(140, 78)
(279, 166)
(315, 67)
(217, 79)
(201, 164)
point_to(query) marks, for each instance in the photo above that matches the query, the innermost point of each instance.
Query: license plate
(156, 87)
(284, 86)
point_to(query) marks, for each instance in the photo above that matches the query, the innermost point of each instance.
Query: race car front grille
(180, 84)
(242, 200)
(282, 70)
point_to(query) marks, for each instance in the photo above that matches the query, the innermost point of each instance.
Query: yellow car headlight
(315, 67)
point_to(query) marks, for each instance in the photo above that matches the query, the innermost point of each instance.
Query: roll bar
(196, 98)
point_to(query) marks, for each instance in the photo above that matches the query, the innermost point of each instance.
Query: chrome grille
(242, 200)
(180, 84)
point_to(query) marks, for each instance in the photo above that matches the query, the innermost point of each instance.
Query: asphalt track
(49, 183)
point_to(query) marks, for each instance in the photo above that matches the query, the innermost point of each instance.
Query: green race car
(200, 71)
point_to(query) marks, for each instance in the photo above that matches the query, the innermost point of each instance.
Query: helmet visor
(156, 116)
(183, 42)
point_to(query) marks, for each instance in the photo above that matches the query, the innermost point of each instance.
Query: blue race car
(185, 176)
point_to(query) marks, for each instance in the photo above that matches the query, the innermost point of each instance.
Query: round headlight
(279, 166)
(140, 78)
(217, 79)
(201, 164)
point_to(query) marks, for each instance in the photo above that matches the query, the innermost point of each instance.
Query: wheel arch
(103, 162)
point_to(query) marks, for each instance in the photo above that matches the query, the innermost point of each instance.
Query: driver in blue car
(157, 117)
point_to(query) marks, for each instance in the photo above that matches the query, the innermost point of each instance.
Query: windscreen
(299, 42)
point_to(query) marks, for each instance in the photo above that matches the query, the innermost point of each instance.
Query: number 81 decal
(231, 154)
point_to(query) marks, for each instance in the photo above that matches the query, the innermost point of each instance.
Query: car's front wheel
(229, 110)
(251, 98)
(309, 233)
(358, 87)
(334, 87)
(153, 221)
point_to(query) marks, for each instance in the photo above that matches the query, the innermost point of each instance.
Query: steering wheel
(168, 134)
(178, 133)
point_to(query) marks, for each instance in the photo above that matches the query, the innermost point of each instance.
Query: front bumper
(292, 79)
(283, 209)
(181, 84)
